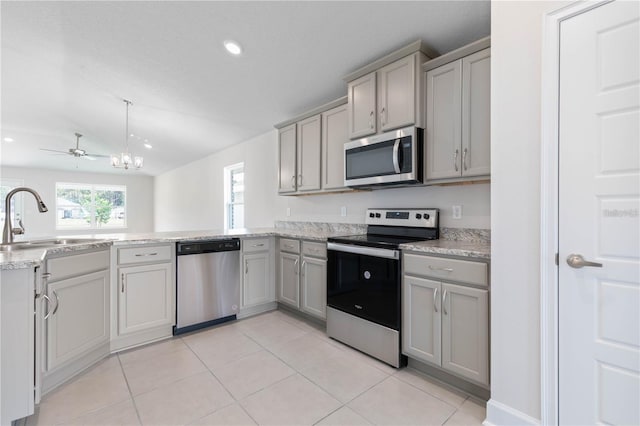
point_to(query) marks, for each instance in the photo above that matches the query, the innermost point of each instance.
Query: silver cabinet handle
(577, 261)
(46, 275)
(246, 266)
(382, 116)
(435, 297)
(55, 308)
(315, 250)
(444, 302)
(371, 119)
(455, 160)
(440, 269)
(293, 181)
(258, 245)
(304, 263)
(122, 280)
(44, 296)
(464, 159)
(146, 254)
(295, 265)
(300, 182)
(396, 159)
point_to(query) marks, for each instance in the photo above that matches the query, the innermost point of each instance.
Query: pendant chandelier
(126, 160)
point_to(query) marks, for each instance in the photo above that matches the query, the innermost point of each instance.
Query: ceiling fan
(77, 152)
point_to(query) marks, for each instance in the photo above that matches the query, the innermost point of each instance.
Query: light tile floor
(271, 369)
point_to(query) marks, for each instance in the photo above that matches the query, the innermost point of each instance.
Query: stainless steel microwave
(391, 158)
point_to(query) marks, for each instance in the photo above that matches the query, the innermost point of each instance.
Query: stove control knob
(426, 216)
(372, 215)
(418, 216)
(377, 214)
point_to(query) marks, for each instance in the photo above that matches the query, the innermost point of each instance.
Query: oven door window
(378, 159)
(365, 286)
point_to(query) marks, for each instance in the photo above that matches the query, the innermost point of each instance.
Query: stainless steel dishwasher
(208, 283)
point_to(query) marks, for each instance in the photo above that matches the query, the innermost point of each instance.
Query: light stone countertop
(28, 258)
(470, 249)
(21, 259)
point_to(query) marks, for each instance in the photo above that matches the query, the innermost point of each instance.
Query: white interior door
(599, 207)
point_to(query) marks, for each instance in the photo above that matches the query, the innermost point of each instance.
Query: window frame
(228, 191)
(93, 188)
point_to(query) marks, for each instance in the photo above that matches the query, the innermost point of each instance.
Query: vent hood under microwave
(393, 158)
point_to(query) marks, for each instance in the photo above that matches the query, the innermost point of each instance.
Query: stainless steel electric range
(364, 280)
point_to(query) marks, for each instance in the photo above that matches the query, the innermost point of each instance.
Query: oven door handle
(367, 251)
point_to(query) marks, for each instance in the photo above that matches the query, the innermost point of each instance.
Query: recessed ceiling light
(233, 47)
(8, 139)
(148, 145)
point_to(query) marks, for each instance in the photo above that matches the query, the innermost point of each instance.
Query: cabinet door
(421, 319)
(289, 279)
(145, 297)
(444, 121)
(287, 159)
(309, 144)
(79, 321)
(362, 106)
(397, 94)
(476, 117)
(334, 135)
(465, 332)
(314, 287)
(256, 282)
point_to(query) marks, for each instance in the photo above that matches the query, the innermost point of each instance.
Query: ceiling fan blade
(55, 150)
(98, 155)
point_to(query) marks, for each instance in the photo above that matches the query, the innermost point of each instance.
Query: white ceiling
(67, 66)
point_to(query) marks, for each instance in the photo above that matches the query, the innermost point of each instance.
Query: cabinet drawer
(287, 244)
(144, 254)
(314, 249)
(446, 269)
(258, 244)
(77, 264)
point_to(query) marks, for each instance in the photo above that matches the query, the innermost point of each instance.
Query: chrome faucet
(7, 233)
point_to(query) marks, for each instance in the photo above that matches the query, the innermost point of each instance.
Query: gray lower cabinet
(447, 324)
(143, 287)
(74, 322)
(302, 276)
(257, 290)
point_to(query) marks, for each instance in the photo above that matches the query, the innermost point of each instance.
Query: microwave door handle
(396, 155)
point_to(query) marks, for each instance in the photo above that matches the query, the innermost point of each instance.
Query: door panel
(397, 94)
(287, 152)
(314, 287)
(421, 338)
(309, 144)
(334, 135)
(599, 208)
(444, 121)
(255, 290)
(289, 291)
(362, 106)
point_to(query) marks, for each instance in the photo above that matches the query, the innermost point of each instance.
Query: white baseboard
(501, 414)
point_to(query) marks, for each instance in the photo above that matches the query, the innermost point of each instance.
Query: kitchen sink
(40, 244)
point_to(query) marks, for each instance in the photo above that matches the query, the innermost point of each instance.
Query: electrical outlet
(288, 211)
(343, 211)
(457, 212)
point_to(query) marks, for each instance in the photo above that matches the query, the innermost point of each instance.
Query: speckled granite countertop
(20, 259)
(452, 242)
(470, 249)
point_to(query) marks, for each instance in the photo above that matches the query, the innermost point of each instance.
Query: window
(85, 206)
(234, 196)
(7, 185)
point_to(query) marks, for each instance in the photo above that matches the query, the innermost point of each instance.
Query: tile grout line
(432, 395)
(133, 400)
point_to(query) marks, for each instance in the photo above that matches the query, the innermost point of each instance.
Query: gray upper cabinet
(397, 94)
(476, 118)
(458, 118)
(311, 150)
(388, 98)
(308, 147)
(287, 159)
(362, 106)
(334, 135)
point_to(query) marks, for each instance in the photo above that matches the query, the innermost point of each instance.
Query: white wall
(139, 199)
(191, 197)
(516, 41)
